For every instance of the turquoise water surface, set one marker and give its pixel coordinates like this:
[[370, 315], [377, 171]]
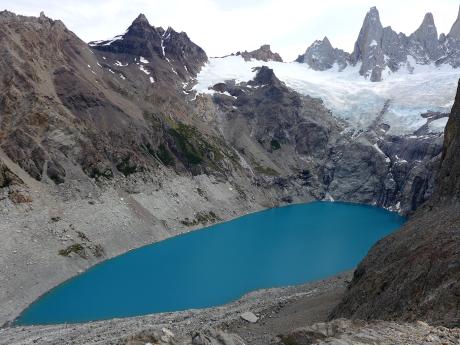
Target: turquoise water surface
[[277, 247]]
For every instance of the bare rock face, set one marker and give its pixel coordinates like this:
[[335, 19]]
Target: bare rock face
[[264, 53], [414, 274], [301, 150], [455, 29], [448, 183], [322, 56]]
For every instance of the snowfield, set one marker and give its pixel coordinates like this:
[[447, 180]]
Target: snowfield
[[350, 96]]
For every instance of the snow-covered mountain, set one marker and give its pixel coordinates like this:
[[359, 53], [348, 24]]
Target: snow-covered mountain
[[380, 51], [398, 101], [417, 76]]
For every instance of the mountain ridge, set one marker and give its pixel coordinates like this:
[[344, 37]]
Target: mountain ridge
[[380, 50]]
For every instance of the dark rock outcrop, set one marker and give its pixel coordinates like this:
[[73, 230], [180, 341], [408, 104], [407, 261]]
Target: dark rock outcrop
[[7, 177], [158, 46]]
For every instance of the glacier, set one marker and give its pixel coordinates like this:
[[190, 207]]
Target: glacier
[[409, 92]]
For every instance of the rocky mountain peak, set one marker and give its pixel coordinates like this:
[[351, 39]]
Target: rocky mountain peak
[[368, 47], [427, 28], [372, 18], [326, 41], [141, 18], [140, 25], [425, 41], [321, 55], [428, 19], [455, 29], [369, 35], [164, 49]]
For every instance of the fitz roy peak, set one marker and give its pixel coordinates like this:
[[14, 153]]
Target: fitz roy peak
[[380, 50]]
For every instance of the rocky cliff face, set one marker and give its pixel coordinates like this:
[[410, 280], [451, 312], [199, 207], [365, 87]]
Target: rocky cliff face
[[448, 182], [380, 50], [415, 273], [299, 149]]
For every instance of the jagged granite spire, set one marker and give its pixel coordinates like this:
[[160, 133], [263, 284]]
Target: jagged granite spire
[[427, 29], [380, 50], [321, 55], [455, 29], [368, 47], [425, 40]]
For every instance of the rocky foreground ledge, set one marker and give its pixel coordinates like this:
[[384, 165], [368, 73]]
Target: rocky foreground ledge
[[337, 332]]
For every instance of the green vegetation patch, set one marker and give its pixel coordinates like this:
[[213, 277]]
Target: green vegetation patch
[[82, 250], [164, 155], [189, 143], [195, 148], [76, 248], [266, 170], [127, 166], [275, 144], [201, 218]]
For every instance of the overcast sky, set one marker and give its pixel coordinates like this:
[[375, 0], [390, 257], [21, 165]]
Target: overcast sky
[[225, 26]]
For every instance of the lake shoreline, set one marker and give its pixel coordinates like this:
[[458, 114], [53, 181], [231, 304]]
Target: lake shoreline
[[286, 307], [295, 237]]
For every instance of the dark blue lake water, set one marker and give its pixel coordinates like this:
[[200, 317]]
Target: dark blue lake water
[[278, 247]]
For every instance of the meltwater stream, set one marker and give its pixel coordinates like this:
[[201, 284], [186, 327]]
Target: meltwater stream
[[277, 247]]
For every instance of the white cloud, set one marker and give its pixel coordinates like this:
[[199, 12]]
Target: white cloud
[[222, 27]]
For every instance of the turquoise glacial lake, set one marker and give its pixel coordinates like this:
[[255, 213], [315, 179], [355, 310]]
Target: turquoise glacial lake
[[218, 264]]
